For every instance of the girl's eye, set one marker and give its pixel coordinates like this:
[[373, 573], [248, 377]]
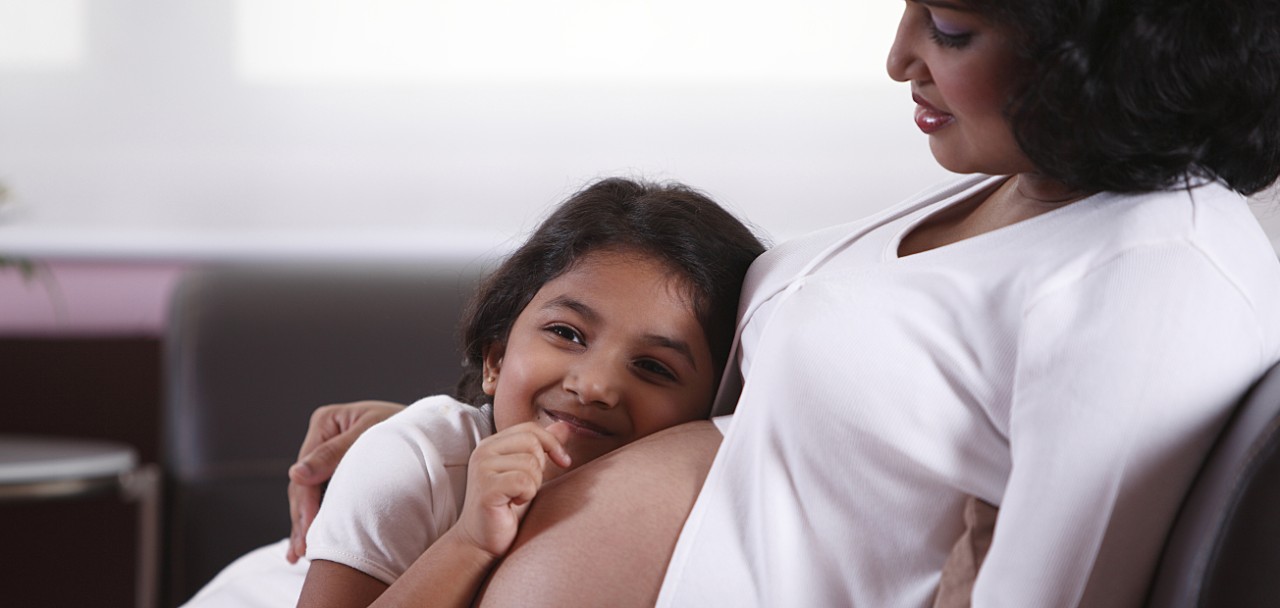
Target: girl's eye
[[947, 34], [653, 367], [566, 333]]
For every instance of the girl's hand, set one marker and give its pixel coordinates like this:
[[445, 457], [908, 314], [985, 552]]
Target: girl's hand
[[505, 472]]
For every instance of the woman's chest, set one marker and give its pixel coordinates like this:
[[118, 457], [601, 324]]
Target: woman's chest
[[909, 362]]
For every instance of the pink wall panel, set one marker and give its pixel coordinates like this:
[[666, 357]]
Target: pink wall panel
[[87, 299]]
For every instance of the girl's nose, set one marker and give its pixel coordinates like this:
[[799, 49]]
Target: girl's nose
[[902, 61], [595, 383]]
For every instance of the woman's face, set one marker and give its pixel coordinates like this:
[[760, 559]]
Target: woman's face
[[962, 70], [612, 348]]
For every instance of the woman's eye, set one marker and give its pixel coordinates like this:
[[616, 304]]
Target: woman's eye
[[653, 367], [567, 333], [946, 34]]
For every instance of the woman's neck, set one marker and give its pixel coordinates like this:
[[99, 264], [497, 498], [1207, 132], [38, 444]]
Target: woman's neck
[[1016, 199], [1037, 189]]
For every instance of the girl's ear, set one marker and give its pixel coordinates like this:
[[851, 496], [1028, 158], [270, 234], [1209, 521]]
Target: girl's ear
[[492, 365]]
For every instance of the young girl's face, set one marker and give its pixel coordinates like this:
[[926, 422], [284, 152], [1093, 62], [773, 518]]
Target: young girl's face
[[962, 70], [612, 347]]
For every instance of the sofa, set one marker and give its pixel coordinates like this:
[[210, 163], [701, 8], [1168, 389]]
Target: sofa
[[250, 352]]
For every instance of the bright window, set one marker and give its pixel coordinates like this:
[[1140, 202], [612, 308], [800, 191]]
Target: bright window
[[646, 41], [41, 34]]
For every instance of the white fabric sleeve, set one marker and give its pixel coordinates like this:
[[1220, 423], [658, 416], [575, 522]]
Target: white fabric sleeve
[[397, 490], [1123, 378]]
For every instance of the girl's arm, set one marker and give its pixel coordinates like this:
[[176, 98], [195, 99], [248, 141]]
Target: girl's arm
[[505, 473], [330, 584], [392, 497], [450, 573]]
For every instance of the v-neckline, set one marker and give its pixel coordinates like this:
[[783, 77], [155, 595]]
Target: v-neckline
[[990, 186]]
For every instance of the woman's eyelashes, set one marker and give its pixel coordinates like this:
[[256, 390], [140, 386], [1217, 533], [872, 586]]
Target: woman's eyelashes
[[947, 34]]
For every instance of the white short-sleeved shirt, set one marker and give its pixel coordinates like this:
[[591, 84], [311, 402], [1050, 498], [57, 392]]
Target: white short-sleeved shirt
[[1071, 369], [399, 488]]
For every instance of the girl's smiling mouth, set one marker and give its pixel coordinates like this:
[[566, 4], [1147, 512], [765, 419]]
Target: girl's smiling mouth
[[579, 426]]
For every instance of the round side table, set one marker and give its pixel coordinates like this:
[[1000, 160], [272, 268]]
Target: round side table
[[55, 468]]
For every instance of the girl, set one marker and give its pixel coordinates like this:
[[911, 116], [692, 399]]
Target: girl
[[611, 323]]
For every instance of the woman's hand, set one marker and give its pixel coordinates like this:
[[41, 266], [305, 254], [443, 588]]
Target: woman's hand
[[505, 472], [332, 430]]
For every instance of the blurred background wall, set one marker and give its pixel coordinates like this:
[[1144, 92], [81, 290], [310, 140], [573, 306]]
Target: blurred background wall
[[159, 131], [263, 120]]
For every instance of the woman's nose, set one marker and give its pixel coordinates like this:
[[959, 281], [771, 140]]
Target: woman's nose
[[902, 60], [595, 382]]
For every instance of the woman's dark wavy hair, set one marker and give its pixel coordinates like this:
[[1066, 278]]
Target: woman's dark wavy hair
[[1139, 95], [705, 246]]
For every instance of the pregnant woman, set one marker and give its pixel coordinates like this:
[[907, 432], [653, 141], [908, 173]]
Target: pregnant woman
[[1059, 334]]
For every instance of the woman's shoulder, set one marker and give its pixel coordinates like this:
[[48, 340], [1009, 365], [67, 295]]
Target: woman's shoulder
[[1200, 243], [1209, 219]]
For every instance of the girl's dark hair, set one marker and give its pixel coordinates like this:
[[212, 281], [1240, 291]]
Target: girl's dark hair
[[705, 245], [1138, 95]]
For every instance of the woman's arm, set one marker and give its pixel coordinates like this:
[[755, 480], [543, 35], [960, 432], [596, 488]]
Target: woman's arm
[[332, 430], [602, 534], [1123, 379]]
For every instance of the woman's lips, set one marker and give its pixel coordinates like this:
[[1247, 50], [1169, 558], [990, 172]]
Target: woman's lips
[[578, 425], [928, 118]]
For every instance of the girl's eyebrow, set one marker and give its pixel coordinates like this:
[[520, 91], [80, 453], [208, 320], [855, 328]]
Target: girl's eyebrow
[[573, 304], [943, 4], [679, 346]]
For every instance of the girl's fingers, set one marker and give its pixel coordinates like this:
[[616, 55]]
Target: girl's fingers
[[511, 487], [528, 464], [559, 432], [506, 471], [530, 437]]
